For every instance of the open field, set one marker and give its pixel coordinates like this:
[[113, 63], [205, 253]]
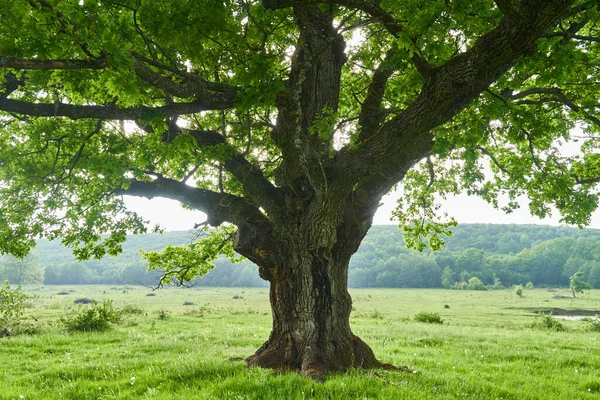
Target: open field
[[168, 350]]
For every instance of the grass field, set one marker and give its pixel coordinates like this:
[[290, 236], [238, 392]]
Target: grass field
[[485, 349]]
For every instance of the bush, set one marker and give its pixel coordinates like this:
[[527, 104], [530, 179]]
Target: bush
[[163, 314], [97, 318], [529, 286], [592, 325], [131, 309], [476, 284], [428, 317], [519, 290], [12, 304], [548, 323]]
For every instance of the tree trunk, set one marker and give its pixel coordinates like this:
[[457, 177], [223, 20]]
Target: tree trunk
[[311, 321], [309, 299]]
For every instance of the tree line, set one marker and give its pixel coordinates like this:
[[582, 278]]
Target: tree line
[[497, 255]]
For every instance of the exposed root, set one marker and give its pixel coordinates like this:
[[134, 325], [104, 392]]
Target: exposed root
[[283, 356]]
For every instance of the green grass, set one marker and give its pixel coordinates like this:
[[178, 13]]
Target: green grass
[[485, 349]]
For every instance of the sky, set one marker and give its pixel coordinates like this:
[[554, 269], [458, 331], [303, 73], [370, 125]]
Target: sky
[[465, 209]]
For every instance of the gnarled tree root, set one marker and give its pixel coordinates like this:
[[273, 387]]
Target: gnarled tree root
[[284, 356]]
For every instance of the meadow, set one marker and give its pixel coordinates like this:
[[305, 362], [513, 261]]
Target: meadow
[[190, 344]]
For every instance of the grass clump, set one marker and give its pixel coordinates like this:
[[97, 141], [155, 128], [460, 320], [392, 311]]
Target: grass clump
[[99, 317], [548, 323], [428, 317], [12, 305], [132, 310], [592, 325]]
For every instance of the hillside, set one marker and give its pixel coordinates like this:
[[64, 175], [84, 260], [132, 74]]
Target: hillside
[[507, 254]]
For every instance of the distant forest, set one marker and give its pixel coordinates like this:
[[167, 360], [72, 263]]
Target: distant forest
[[498, 255]]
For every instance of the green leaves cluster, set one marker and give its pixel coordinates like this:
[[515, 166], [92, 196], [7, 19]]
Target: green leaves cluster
[[98, 317], [187, 262], [12, 304]]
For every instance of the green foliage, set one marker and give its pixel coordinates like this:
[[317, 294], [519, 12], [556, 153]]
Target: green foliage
[[519, 290], [184, 263], [549, 323], [97, 317], [428, 317], [593, 325], [577, 284], [529, 285], [447, 277], [12, 305], [476, 284]]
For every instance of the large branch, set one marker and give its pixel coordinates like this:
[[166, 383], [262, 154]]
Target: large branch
[[255, 233], [193, 86], [36, 64], [371, 114], [219, 207], [73, 111], [257, 189], [381, 161]]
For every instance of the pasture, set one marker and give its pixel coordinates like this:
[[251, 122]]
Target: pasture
[[163, 349]]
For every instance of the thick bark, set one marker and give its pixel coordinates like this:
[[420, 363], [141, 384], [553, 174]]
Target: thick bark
[[311, 331], [309, 298]]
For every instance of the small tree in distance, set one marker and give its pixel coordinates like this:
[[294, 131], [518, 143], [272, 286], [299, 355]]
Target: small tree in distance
[[577, 284], [286, 122]]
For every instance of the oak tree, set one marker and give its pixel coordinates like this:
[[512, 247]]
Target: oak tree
[[286, 121]]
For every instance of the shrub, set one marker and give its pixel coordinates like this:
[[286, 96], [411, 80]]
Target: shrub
[[476, 284], [428, 317], [12, 304], [548, 323], [97, 318], [163, 314], [593, 325], [131, 309], [519, 290], [529, 286]]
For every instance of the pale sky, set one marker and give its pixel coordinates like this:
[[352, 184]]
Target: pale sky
[[465, 209]]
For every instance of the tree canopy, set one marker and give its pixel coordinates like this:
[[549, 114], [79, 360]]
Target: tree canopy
[[209, 86], [289, 120]]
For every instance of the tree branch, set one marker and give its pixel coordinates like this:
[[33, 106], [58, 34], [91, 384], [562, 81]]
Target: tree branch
[[108, 111], [257, 189], [35, 64], [369, 7], [371, 114], [193, 86], [380, 163], [219, 207], [557, 95]]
